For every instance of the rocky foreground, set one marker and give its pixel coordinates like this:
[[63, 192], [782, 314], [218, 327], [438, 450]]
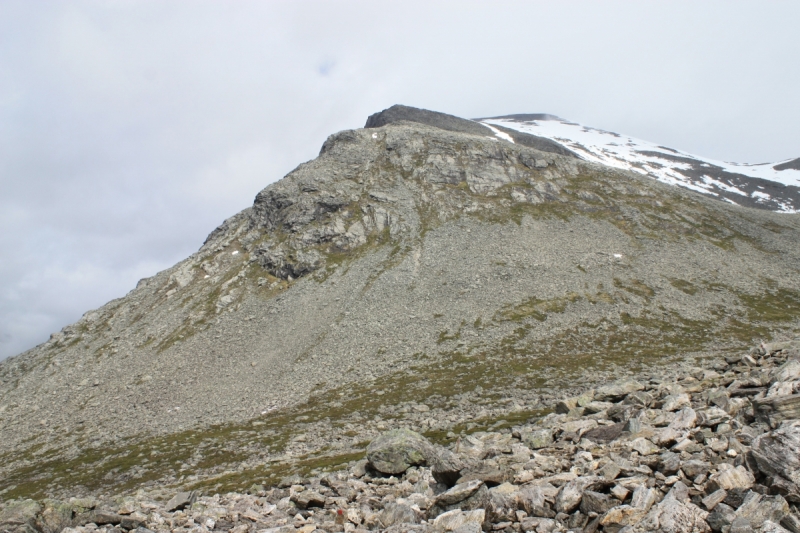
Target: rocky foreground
[[712, 449]]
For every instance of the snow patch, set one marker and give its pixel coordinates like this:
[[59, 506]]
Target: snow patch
[[667, 165]]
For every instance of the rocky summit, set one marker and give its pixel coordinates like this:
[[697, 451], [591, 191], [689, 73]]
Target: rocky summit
[[427, 286]]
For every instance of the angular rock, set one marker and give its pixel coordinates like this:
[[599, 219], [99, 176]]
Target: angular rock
[[757, 509], [669, 463], [596, 502], [452, 520], [675, 514], [538, 439], [445, 466], [728, 478], [639, 399], [789, 371], [308, 499], [714, 499], [398, 450], [181, 500], [777, 409], [617, 391], [536, 500], [675, 402], [694, 468], [722, 517], [777, 453], [569, 497], [643, 498], [566, 405], [603, 434], [686, 419], [644, 446], [395, 513], [459, 493], [20, 516]]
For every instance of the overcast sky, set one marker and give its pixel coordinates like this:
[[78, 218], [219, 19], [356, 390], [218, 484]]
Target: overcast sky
[[130, 129]]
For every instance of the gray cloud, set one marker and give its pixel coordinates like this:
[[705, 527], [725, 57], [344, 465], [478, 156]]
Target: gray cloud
[[129, 130]]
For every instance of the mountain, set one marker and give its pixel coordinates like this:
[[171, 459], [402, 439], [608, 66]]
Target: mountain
[[774, 186], [425, 262]]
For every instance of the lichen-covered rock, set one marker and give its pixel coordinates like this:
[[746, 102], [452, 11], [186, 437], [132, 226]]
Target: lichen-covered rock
[[396, 451], [20, 516]]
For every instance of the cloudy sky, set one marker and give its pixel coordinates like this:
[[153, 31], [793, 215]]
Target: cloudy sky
[[130, 129]]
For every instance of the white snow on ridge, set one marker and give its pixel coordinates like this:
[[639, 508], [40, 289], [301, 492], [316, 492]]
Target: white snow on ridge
[[659, 162], [500, 134]]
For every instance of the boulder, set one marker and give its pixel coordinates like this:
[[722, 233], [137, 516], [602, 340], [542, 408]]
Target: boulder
[[596, 502], [19, 516], [777, 453], [617, 391], [776, 409], [685, 419], [721, 518], [603, 434], [569, 497], [445, 466], [56, 516], [398, 450], [537, 500], [452, 520], [728, 477], [675, 514], [537, 439], [639, 399], [789, 371], [396, 513], [459, 493], [181, 500], [757, 509], [307, 499], [674, 402]]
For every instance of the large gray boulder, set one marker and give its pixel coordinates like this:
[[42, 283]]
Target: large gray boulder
[[398, 450], [675, 514], [20, 516], [777, 455]]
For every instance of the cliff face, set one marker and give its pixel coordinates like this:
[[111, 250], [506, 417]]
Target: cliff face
[[406, 261]]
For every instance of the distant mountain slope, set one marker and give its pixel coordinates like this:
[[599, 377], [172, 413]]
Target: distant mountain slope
[[773, 186], [410, 263]]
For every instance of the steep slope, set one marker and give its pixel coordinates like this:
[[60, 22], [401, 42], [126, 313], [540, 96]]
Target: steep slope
[[774, 186], [407, 263]]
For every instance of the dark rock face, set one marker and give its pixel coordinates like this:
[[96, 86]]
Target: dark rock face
[[794, 164], [443, 121]]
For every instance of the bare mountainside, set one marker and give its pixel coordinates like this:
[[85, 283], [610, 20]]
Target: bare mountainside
[[413, 264]]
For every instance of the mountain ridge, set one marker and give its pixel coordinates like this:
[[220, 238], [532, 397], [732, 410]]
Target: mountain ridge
[[404, 254]]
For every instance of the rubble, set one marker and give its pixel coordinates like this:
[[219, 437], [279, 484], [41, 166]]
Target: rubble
[[694, 461]]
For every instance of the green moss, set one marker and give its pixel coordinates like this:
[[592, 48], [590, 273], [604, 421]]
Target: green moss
[[536, 308], [684, 286]]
